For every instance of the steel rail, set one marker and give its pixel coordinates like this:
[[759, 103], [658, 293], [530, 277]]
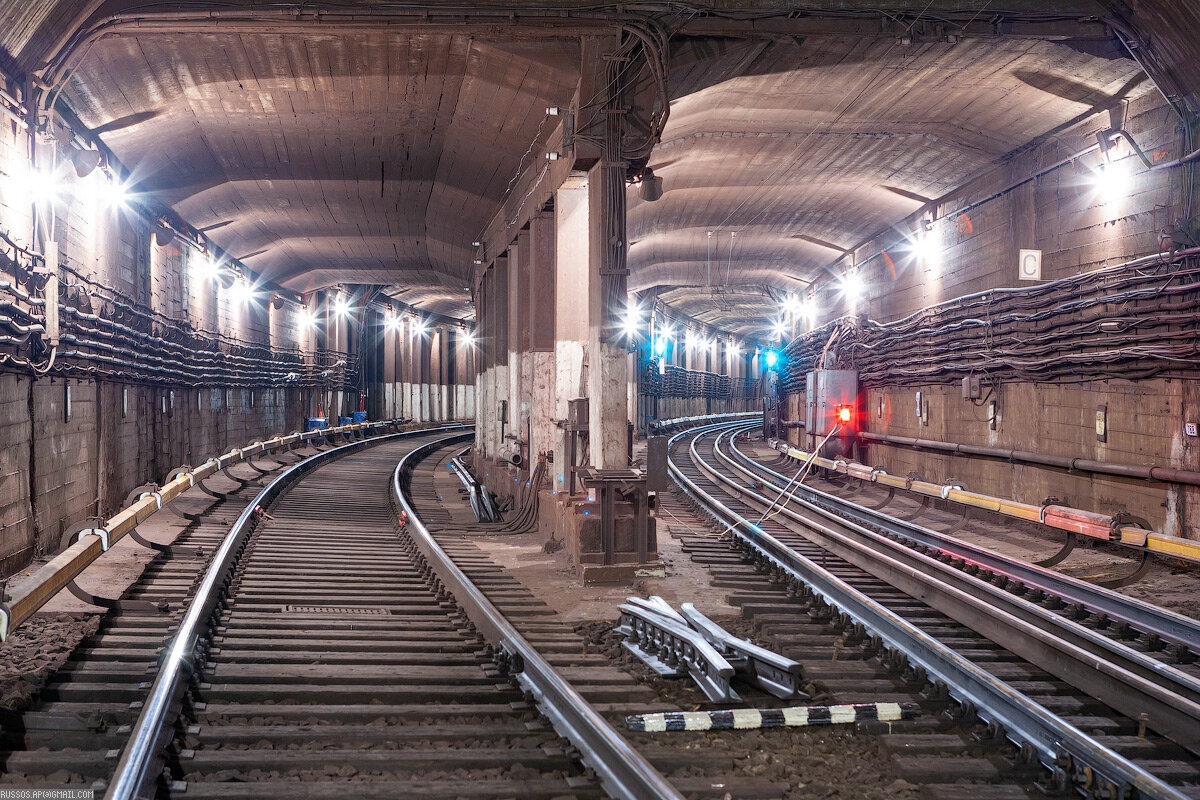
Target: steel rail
[[140, 765], [623, 771], [1161, 622], [1068, 752], [1124, 678]]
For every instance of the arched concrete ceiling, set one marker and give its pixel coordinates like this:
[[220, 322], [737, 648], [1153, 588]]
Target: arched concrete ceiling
[[332, 158], [807, 146], [376, 156]]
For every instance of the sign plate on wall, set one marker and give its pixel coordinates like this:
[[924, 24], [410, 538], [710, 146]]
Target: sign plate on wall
[[1029, 265]]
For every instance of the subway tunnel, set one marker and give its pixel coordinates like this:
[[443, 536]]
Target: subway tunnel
[[544, 307]]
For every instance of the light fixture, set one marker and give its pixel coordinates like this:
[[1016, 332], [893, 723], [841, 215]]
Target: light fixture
[[419, 328], [164, 234], [467, 338], [306, 318], [1112, 181], [925, 248], [633, 318], [779, 328], [242, 292], [84, 161], [207, 267], [341, 306], [391, 322], [650, 188], [36, 185], [734, 347], [771, 358], [791, 304], [114, 193], [852, 286]]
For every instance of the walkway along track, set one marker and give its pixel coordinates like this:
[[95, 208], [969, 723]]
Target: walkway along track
[[845, 573]]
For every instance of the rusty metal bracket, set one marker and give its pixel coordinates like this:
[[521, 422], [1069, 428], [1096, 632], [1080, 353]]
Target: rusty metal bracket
[[1068, 546]]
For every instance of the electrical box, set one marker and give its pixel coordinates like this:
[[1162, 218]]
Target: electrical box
[[831, 399], [972, 387], [577, 413]]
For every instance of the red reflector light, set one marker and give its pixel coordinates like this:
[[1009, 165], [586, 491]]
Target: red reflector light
[[843, 413]]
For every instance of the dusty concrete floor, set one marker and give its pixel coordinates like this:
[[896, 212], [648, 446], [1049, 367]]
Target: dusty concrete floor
[[551, 577]]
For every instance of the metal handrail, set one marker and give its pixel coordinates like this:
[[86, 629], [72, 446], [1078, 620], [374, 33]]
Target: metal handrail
[[31, 593], [623, 771], [1056, 742], [139, 766]]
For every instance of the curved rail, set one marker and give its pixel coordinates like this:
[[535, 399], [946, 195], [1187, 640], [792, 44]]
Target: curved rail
[[1071, 754], [1165, 624], [35, 591], [140, 766], [1124, 678], [624, 772]]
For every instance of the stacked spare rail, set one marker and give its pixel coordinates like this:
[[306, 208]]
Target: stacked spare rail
[[837, 563]]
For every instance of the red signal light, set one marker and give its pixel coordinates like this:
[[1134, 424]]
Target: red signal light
[[843, 414]]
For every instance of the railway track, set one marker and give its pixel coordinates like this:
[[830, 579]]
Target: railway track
[[328, 662], [1038, 668]]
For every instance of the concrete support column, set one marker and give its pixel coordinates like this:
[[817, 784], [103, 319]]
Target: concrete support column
[[388, 378], [542, 262], [518, 337], [434, 384], [498, 387], [424, 348], [607, 379], [571, 306]]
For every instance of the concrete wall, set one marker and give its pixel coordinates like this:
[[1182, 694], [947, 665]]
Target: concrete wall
[[1061, 214], [58, 469]]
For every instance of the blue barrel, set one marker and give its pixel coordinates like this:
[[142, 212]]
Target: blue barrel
[[343, 420], [359, 416], [316, 424]]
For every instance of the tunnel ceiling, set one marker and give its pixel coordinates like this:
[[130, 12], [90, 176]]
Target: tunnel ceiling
[[376, 156]]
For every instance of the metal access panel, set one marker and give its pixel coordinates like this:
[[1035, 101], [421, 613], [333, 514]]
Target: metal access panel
[[825, 390], [656, 464]]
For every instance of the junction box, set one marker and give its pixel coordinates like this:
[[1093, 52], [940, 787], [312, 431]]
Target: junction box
[[831, 399]]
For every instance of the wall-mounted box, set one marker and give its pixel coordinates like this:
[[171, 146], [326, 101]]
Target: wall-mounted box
[[827, 390]]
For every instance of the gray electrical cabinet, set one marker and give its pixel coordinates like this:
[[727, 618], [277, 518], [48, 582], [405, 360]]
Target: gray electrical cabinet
[[827, 390]]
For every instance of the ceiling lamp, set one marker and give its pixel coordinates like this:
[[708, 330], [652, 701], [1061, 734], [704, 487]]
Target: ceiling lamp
[[650, 188], [84, 161]]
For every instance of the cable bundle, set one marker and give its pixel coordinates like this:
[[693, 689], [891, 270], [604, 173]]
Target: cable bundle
[[1133, 321]]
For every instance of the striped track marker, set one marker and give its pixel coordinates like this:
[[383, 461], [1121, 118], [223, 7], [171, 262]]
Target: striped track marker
[[744, 719]]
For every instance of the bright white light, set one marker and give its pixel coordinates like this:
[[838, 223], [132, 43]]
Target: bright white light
[[419, 327], [780, 328], [467, 338], [808, 310], [926, 249], [392, 322], [689, 341], [341, 306], [1112, 181], [307, 318], [241, 291], [114, 193], [35, 185], [852, 286], [735, 348], [633, 318], [207, 268], [791, 305]]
